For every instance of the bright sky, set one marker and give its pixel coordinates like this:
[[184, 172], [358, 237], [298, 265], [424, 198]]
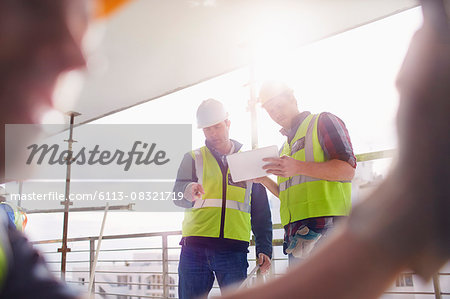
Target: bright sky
[[351, 75]]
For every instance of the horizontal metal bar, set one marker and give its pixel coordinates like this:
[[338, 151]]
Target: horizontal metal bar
[[118, 294], [72, 271], [112, 237], [50, 252], [135, 283], [80, 282], [375, 155], [112, 250], [114, 261], [74, 262], [272, 259], [126, 236], [408, 293], [277, 226], [127, 249], [127, 272], [135, 261], [128, 207]]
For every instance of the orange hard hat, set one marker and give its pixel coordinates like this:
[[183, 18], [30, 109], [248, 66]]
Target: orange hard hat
[[106, 7]]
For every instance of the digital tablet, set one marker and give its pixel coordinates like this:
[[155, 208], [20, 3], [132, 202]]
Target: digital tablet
[[248, 165]]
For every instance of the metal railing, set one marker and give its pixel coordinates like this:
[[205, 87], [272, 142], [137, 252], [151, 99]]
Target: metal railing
[[165, 285], [108, 283]]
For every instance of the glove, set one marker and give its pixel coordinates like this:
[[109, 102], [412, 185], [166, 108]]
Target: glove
[[303, 242]]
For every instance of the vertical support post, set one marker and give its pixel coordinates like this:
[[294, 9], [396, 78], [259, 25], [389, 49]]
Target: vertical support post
[[252, 101], [165, 266], [437, 286], [19, 204], [66, 203], [139, 287], [91, 261], [97, 252]]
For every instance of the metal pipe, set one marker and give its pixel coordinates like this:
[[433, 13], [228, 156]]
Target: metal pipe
[[64, 249], [252, 101], [97, 252], [437, 286], [165, 257], [128, 207], [91, 262]]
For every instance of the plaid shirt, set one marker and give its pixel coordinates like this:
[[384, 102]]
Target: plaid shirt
[[333, 136], [335, 141]]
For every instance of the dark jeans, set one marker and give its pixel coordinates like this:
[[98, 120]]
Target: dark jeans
[[198, 266]]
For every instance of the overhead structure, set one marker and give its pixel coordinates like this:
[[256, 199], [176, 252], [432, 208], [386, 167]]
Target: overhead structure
[[152, 48]]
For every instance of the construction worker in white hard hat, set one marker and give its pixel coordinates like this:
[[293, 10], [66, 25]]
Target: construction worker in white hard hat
[[314, 171], [219, 213]]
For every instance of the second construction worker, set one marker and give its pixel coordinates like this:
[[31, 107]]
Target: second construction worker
[[219, 213], [314, 171]]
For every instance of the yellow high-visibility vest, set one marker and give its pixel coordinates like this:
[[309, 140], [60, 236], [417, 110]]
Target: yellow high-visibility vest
[[204, 218], [3, 266], [304, 197], [4, 248]]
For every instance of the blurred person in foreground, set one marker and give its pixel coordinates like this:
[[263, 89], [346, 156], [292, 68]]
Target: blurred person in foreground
[[40, 40], [405, 223]]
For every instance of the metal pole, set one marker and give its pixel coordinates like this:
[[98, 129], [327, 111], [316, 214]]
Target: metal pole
[[91, 262], [252, 101], [128, 207], [97, 252], [19, 204], [245, 283], [165, 260], [437, 286], [64, 249]]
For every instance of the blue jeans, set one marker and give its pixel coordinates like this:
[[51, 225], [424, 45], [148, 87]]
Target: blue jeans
[[198, 266]]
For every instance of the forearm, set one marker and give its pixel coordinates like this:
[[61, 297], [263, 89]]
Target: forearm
[[271, 185], [185, 176], [332, 170], [180, 186], [266, 249], [263, 238], [261, 220]]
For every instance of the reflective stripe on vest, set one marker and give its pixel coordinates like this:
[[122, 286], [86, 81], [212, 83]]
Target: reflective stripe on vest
[[305, 197], [203, 219], [217, 202]]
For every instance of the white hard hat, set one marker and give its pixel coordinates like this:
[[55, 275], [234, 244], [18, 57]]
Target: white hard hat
[[210, 112], [271, 89]]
